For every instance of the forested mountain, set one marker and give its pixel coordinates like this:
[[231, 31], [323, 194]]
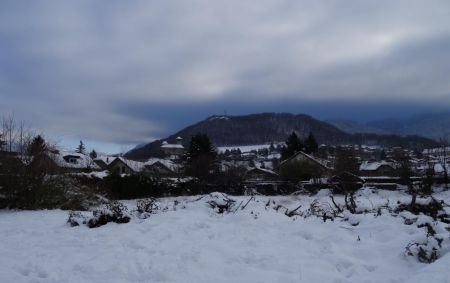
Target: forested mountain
[[272, 127]]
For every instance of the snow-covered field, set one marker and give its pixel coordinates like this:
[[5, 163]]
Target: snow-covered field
[[189, 242]]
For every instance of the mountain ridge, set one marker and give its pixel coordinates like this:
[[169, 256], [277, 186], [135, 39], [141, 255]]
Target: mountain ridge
[[263, 128], [434, 126]]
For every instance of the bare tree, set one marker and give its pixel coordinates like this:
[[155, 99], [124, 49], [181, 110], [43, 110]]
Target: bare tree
[[346, 167], [9, 131]]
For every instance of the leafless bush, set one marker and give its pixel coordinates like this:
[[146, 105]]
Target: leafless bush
[[146, 207], [323, 210], [221, 203]]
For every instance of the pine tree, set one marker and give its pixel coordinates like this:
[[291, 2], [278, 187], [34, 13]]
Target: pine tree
[[293, 145], [200, 145], [311, 145], [201, 156], [81, 148], [93, 154], [37, 146]]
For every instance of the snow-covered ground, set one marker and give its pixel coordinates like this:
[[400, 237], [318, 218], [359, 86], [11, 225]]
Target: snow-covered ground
[[189, 242]]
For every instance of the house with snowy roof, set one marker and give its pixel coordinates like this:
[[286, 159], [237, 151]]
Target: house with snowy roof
[[60, 161], [173, 149], [378, 169], [122, 165], [162, 167], [309, 160], [258, 175], [103, 161]]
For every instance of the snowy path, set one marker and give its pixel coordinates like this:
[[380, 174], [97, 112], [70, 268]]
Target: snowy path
[[195, 245]]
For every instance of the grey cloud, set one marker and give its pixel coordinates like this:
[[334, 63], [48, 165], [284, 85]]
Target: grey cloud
[[68, 65]]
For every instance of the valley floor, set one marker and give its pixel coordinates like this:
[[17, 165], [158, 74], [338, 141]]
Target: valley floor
[[191, 243]]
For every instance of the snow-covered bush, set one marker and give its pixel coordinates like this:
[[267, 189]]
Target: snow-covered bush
[[435, 243], [76, 219], [112, 212], [220, 202], [146, 207], [427, 251], [428, 206]]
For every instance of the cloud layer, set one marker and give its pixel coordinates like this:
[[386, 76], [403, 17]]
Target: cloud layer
[[69, 66]]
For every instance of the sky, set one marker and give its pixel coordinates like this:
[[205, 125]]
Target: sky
[[120, 73]]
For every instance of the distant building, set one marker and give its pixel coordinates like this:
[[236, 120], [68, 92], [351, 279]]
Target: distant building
[[176, 150], [162, 168], [258, 175], [103, 161], [320, 164], [378, 169], [122, 165], [66, 162]]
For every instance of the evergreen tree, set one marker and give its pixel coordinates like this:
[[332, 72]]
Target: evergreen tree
[[383, 155], [201, 156], [311, 145], [93, 154], [37, 146], [293, 145], [81, 148]]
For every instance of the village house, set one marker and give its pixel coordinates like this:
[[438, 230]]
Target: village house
[[122, 165], [319, 164], [175, 150], [259, 175], [155, 167], [104, 161], [162, 168], [378, 169], [66, 162]]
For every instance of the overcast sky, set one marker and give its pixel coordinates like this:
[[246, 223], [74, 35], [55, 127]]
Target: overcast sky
[[117, 73]]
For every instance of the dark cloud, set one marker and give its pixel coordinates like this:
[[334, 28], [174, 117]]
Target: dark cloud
[[86, 69]]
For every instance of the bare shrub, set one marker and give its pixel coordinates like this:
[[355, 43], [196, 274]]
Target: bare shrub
[[146, 207], [221, 203]]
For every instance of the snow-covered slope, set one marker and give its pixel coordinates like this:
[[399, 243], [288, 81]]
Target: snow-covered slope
[[189, 242]]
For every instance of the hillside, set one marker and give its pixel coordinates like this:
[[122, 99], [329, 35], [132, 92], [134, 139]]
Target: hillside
[[271, 127], [433, 126]]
